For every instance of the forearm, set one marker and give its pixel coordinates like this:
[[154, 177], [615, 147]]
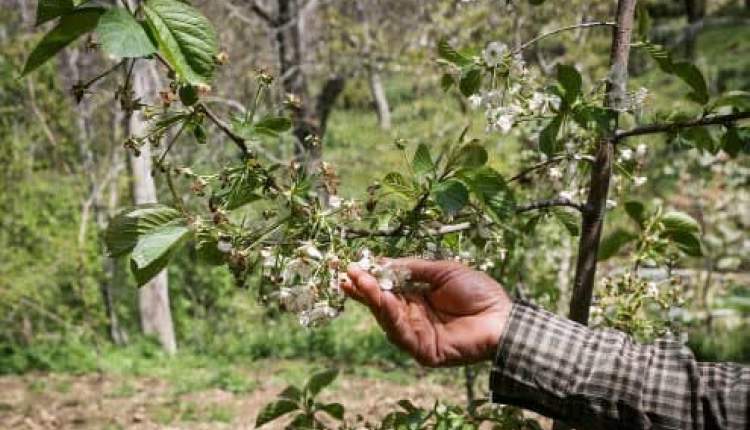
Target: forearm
[[602, 379]]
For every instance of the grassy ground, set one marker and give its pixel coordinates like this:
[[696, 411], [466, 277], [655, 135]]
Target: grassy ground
[[177, 395]]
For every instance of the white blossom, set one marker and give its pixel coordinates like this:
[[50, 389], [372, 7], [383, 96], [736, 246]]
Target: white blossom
[[611, 204], [335, 202], [494, 52], [224, 245], [626, 154], [566, 195], [639, 180], [310, 251], [475, 101], [652, 290], [297, 299], [365, 261], [320, 313], [555, 173], [641, 150]]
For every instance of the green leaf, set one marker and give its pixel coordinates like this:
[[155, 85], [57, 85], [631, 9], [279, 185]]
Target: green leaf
[[292, 393], [684, 231], [71, 27], [643, 20], [548, 136], [491, 189], [613, 242], [636, 211], [396, 183], [448, 53], [470, 82], [692, 75], [451, 196], [154, 250], [199, 132], [301, 422], [122, 36], [422, 162], [736, 140], [185, 38], [207, 250], [319, 381], [571, 82], [472, 155], [125, 229], [273, 125], [569, 220], [697, 137], [336, 410], [447, 81], [739, 100], [47, 10], [275, 410]]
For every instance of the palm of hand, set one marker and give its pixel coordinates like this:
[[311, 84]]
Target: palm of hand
[[458, 321]]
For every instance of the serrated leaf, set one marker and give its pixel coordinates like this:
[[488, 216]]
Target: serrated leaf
[[126, 228], [680, 221], [739, 100], [301, 422], [273, 125], [451, 196], [47, 10], [154, 250], [185, 38], [548, 136], [319, 381], [71, 27], [472, 155], [448, 53], [397, 184], [422, 162], [207, 249], [122, 36], [614, 242], [569, 220], [643, 20], [470, 82], [571, 82], [692, 75], [275, 410], [336, 410], [491, 189], [636, 211]]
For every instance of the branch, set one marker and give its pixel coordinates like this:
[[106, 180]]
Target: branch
[[726, 120], [237, 139], [544, 204], [562, 29]]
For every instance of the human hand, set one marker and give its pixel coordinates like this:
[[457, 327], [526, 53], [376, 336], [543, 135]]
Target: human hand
[[458, 320]]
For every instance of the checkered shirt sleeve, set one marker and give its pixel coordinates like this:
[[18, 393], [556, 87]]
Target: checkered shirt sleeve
[[602, 379]]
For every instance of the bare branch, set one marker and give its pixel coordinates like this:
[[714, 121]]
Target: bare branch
[[545, 204], [560, 30], [674, 126], [237, 139]]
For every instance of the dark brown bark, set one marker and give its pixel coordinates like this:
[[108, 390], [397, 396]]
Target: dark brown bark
[[601, 173]]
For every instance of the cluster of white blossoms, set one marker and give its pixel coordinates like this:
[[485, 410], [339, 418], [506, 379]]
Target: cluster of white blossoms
[[513, 100], [309, 283], [638, 156], [390, 276]]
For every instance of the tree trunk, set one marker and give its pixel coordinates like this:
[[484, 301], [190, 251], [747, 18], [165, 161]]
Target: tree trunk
[[153, 298], [601, 172], [373, 74]]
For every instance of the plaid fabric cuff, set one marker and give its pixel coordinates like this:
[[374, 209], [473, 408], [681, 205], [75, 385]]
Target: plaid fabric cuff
[[603, 379]]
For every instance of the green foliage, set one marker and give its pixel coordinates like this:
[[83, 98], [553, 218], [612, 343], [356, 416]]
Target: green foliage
[[185, 38], [122, 36], [71, 26]]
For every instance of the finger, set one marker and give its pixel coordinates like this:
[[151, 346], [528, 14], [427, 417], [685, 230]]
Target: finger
[[431, 272], [385, 306], [365, 286]]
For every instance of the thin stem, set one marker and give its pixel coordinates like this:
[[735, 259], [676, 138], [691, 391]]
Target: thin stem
[[237, 139], [177, 199], [250, 114], [545, 204], [171, 144], [726, 120], [563, 29], [103, 74]]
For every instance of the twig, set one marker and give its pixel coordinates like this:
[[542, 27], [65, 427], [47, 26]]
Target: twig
[[539, 166], [562, 29], [237, 139], [673, 126], [171, 144], [544, 204], [102, 75]]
